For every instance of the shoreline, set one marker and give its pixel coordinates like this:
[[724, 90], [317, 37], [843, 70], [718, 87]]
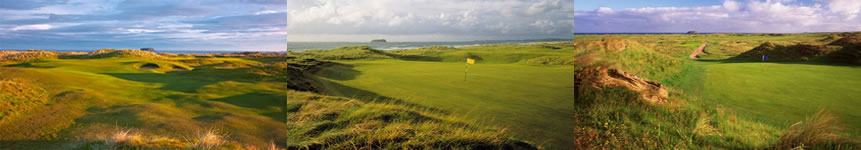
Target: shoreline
[[406, 45], [158, 51]]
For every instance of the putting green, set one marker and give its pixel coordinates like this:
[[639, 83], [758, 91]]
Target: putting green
[[532, 102], [786, 93]]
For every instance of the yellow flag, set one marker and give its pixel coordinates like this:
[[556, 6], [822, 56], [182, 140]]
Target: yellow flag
[[470, 61]]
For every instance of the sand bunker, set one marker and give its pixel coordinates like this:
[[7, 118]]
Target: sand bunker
[[149, 66], [600, 77], [177, 68], [698, 52]]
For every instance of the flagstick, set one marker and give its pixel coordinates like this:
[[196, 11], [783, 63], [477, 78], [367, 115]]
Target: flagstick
[[464, 71]]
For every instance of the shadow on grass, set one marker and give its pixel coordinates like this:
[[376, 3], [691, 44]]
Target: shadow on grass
[[336, 89], [189, 81], [262, 101], [846, 56], [409, 57], [33, 144], [338, 71], [29, 64]]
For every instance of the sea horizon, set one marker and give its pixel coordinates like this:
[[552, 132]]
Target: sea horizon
[[157, 51], [301, 46]]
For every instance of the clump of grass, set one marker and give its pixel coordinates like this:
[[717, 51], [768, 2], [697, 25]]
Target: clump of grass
[[206, 139], [134, 139], [822, 131], [704, 127], [210, 139]]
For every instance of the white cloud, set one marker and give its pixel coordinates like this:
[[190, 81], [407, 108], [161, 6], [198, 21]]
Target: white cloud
[[265, 12], [543, 6], [489, 19], [604, 10], [731, 5], [849, 9], [731, 16], [33, 27]]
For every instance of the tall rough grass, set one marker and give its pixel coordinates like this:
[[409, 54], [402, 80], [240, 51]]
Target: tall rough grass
[[822, 131], [206, 139], [18, 97], [617, 118], [324, 122]]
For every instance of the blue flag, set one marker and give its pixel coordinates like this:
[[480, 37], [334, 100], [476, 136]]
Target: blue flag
[[764, 57]]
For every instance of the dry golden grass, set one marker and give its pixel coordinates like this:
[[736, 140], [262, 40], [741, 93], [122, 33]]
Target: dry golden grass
[[210, 139], [823, 130]]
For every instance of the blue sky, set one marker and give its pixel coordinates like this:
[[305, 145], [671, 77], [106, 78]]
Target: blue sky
[[751, 16], [429, 20], [161, 24]]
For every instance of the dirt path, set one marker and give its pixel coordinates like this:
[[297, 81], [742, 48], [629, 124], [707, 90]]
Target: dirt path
[[698, 51]]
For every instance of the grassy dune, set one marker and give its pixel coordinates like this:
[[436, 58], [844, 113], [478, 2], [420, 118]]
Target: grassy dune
[[510, 86], [91, 100], [329, 122], [720, 102]]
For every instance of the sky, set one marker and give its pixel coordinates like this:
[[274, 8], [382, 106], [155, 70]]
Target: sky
[[428, 20], [738, 16], [248, 25]]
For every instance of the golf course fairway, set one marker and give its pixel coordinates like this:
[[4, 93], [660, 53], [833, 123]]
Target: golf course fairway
[[785, 93], [76, 101], [532, 102]]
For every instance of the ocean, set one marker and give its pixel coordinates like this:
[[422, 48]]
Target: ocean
[[300, 46], [157, 51]]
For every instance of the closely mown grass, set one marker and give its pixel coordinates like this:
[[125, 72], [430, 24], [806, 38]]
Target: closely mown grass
[[325, 122], [494, 94]]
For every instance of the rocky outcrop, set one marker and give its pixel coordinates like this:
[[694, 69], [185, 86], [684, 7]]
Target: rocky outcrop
[[602, 77]]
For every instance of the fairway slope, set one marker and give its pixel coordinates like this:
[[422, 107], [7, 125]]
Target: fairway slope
[[516, 87], [326, 122], [725, 100], [75, 102]]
